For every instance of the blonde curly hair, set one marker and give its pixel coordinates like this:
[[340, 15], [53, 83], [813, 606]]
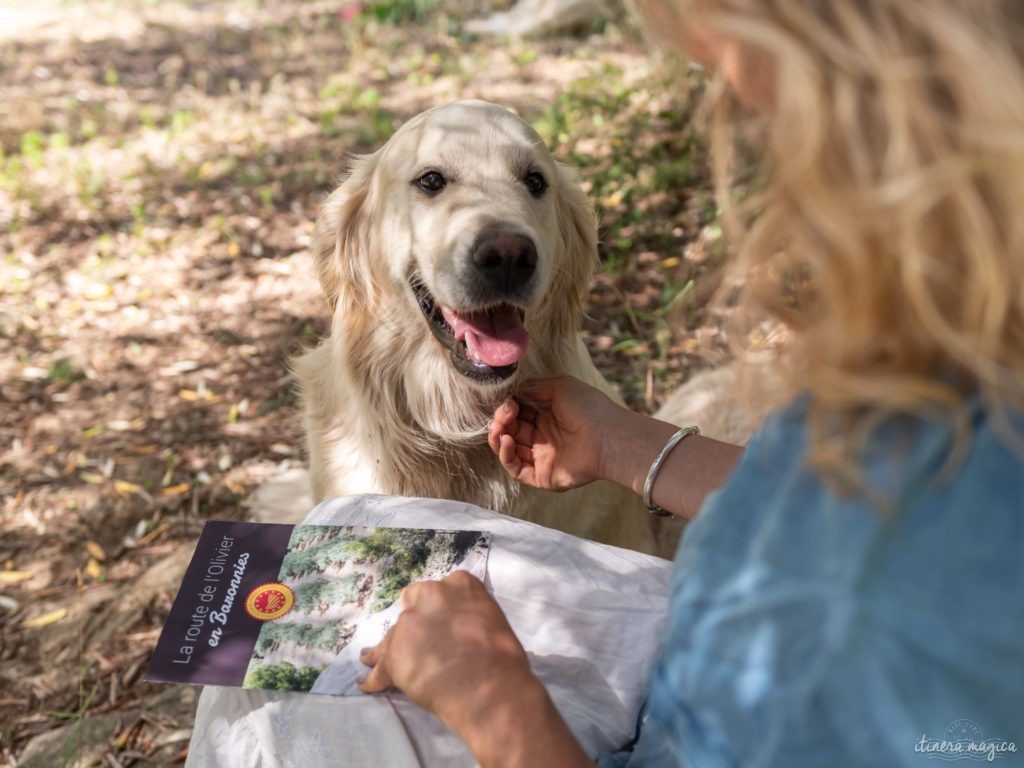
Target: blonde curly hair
[[887, 229]]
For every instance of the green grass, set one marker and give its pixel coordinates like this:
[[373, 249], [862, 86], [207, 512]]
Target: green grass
[[656, 158]]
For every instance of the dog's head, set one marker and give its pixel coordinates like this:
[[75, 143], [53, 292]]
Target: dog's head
[[464, 237]]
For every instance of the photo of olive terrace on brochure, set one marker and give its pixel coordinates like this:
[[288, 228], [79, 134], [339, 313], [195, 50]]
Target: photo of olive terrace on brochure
[[289, 607]]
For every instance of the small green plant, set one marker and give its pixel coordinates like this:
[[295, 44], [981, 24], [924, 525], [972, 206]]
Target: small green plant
[[650, 161], [147, 118], [400, 11], [33, 143], [139, 215], [375, 129], [180, 120], [91, 184], [63, 372], [59, 141], [72, 744]]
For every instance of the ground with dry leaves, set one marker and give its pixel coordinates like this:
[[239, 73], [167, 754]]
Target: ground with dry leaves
[[160, 172]]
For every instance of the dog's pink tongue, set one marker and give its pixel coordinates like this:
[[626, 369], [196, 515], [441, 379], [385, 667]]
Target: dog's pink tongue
[[495, 337]]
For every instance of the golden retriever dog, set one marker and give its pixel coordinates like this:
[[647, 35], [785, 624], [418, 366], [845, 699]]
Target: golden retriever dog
[[455, 260]]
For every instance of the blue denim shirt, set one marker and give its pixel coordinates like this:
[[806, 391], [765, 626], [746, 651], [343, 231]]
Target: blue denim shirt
[[809, 629]]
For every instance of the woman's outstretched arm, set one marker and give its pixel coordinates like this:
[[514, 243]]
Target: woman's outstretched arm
[[563, 433]]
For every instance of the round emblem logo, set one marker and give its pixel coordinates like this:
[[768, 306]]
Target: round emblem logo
[[963, 730], [269, 601]]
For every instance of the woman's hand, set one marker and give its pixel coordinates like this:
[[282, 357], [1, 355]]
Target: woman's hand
[[563, 434], [450, 640], [453, 652], [552, 437]]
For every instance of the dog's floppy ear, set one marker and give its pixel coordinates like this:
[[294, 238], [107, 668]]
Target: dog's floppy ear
[[577, 232], [341, 242]]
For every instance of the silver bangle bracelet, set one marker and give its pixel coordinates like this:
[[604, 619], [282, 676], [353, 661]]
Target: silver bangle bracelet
[[673, 441]]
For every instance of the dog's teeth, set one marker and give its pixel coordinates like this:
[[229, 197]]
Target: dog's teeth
[[470, 352]]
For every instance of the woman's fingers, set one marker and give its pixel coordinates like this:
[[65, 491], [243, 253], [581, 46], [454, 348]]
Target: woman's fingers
[[507, 415], [505, 422], [524, 453], [528, 414], [508, 455], [524, 436], [370, 656], [511, 425], [517, 460], [494, 433], [378, 680], [410, 595]]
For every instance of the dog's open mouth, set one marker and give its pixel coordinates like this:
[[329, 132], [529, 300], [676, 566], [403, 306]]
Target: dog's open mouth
[[485, 345]]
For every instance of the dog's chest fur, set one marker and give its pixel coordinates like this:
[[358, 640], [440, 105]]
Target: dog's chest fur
[[363, 437], [373, 463], [467, 473], [369, 442]]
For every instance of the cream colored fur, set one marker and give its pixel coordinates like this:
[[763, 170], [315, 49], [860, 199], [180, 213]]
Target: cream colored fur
[[385, 411], [727, 403]]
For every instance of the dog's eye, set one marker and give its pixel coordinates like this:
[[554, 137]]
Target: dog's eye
[[535, 183], [431, 182]]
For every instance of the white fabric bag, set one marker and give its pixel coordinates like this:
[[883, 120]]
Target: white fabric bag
[[590, 616]]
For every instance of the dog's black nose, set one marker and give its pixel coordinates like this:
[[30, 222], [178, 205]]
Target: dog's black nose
[[505, 260]]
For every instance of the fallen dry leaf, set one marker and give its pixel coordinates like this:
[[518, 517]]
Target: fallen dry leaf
[[94, 569], [46, 619], [193, 396], [175, 490], [125, 488], [95, 550], [156, 532], [14, 577]]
